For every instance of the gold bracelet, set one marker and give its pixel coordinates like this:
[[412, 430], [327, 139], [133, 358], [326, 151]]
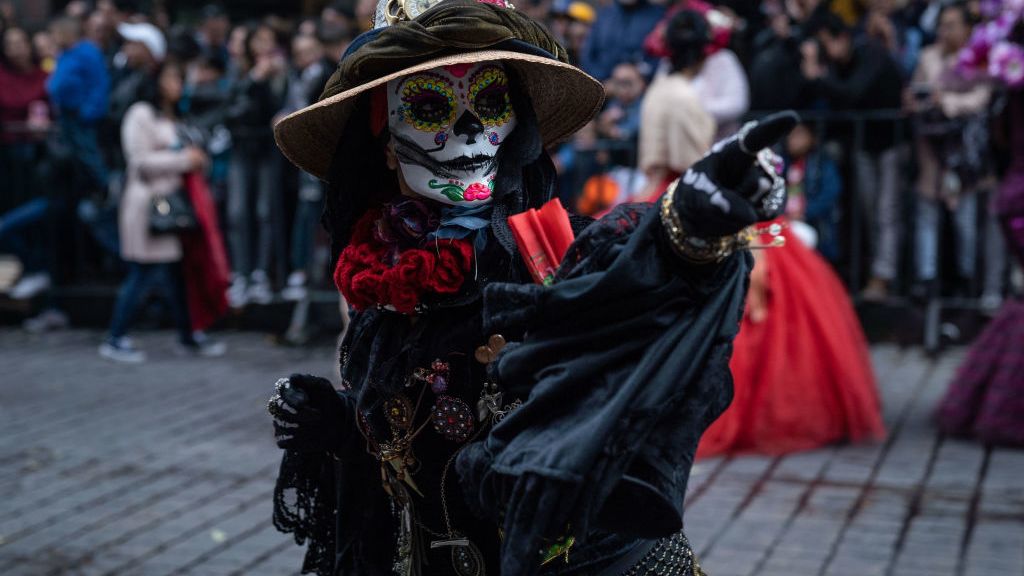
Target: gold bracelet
[[692, 248]]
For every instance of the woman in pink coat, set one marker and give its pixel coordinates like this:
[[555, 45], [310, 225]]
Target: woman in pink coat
[[156, 164]]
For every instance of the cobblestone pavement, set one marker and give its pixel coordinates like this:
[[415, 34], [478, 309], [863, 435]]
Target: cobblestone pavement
[[167, 469]]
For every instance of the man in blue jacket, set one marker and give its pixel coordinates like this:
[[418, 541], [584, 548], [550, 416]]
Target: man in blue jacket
[[79, 90]]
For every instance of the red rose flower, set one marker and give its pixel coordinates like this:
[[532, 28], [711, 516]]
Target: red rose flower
[[371, 272], [365, 289], [453, 260], [414, 266], [404, 297]]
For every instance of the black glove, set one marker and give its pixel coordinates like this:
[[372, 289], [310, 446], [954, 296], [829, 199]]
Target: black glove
[[733, 186], [310, 415]]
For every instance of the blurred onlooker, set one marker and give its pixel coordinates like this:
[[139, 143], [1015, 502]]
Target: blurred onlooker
[[255, 226], [339, 14], [79, 89], [212, 32], [308, 78], [675, 130], [98, 29], [142, 50], [775, 79], [24, 119], [237, 52], [335, 40], [570, 23], [611, 177], [722, 88], [618, 36], [24, 112], [814, 187], [620, 119], [204, 105], [863, 76], [156, 163], [45, 49], [721, 83], [951, 149]]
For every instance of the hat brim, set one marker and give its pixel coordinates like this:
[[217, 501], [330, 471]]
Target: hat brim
[[564, 99]]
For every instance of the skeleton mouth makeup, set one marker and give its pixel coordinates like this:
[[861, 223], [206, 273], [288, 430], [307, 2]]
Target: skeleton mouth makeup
[[447, 125]]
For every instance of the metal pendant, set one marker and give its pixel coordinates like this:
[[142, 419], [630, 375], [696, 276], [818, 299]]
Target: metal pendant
[[398, 412], [466, 557]]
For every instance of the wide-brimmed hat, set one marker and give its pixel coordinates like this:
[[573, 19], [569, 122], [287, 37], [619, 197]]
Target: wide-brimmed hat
[[452, 32]]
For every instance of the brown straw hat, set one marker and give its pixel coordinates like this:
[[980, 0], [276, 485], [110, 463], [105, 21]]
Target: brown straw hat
[[564, 98]]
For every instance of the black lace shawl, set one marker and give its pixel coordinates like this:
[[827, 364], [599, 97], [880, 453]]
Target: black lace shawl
[[624, 365]]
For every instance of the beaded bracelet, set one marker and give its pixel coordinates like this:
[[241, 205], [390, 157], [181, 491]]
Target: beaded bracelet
[[692, 248]]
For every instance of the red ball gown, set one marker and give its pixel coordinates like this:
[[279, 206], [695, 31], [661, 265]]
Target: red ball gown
[[801, 368]]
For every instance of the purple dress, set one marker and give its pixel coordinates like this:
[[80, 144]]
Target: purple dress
[[986, 399]]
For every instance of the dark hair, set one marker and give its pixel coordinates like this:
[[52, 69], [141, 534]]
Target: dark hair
[[332, 34], [33, 55], [127, 6], [149, 91], [686, 35], [254, 29], [211, 11], [962, 7], [69, 23], [828, 21], [182, 44], [344, 8], [211, 59]]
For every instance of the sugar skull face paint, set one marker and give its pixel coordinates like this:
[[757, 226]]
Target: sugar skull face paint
[[448, 125]]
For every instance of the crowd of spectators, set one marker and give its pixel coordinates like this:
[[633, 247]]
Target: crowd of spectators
[[874, 77]]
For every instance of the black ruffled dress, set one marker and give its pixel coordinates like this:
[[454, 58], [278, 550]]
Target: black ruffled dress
[[609, 377]]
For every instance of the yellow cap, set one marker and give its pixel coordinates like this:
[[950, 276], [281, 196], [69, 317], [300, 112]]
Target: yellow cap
[[581, 11]]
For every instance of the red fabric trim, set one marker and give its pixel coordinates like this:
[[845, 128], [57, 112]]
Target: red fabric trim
[[205, 261], [378, 109]]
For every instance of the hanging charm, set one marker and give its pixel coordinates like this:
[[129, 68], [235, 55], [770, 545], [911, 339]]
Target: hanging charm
[[437, 376], [489, 402], [466, 557], [452, 418], [489, 352], [398, 412]]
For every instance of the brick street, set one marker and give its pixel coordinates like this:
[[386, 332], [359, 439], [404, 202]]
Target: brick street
[[167, 469]]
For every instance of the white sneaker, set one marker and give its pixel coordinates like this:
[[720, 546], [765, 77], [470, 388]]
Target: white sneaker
[[296, 289], [121, 350], [47, 320], [205, 349], [990, 302], [237, 296], [30, 285], [259, 291]]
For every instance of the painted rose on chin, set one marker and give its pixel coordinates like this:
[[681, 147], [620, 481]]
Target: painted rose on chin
[[477, 191]]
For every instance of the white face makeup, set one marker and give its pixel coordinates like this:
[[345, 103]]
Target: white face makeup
[[447, 125]]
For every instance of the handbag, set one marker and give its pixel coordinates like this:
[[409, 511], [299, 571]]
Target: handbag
[[172, 214]]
